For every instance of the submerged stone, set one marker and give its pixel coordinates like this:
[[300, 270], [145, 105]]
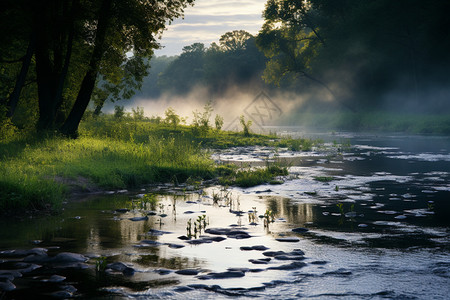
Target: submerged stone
[[222, 275], [175, 246], [259, 247], [182, 289], [274, 253], [300, 230], [288, 240], [55, 278], [339, 272], [163, 271], [289, 257], [7, 286], [190, 272], [291, 266], [246, 248], [117, 266], [68, 257], [136, 219], [261, 261], [128, 271]]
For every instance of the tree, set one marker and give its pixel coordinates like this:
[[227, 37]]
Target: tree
[[234, 40], [78, 42], [186, 72], [290, 38], [358, 50]]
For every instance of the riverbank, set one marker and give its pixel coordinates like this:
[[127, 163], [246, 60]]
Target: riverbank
[[39, 172], [412, 123]]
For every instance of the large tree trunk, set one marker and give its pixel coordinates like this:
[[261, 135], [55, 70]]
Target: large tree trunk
[[71, 32], [15, 95], [47, 80], [53, 53], [70, 126]]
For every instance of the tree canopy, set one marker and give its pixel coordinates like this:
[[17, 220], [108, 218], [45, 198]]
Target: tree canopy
[[358, 50], [55, 52]]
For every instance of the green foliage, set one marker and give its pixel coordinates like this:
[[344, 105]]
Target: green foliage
[[172, 118], [119, 112], [7, 129], [55, 50], [245, 125], [200, 123], [100, 264], [247, 177], [372, 48], [324, 178], [218, 121], [138, 113], [149, 201]]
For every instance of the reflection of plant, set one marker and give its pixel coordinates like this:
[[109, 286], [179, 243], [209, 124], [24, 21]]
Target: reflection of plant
[[100, 264], [149, 200], [216, 198], [269, 217], [199, 224], [430, 205], [189, 228], [252, 216]]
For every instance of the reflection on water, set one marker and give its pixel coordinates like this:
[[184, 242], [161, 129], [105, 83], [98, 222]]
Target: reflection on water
[[378, 228]]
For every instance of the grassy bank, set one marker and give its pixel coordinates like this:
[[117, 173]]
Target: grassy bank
[[375, 122], [39, 172]]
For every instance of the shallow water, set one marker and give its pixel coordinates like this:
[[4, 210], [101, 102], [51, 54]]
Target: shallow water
[[378, 229]]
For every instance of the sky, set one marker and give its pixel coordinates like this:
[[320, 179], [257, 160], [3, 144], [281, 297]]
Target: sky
[[207, 20]]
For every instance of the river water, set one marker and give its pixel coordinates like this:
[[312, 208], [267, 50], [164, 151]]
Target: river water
[[374, 222]]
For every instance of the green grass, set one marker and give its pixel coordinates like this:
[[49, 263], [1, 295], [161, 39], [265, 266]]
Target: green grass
[[39, 172], [30, 173], [248, 177]]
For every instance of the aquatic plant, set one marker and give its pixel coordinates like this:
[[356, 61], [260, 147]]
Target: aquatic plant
[[100, 264], [195, 229], [341, 208], [324, 178], [149, 201]]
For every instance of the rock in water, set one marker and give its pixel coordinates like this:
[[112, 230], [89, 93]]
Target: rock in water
[[135, 219], [7, 286], [68, 257], [300, 230]]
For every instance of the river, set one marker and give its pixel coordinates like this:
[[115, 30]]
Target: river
[[371, 221]]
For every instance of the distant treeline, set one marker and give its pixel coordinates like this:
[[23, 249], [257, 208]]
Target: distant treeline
[[235, 61]]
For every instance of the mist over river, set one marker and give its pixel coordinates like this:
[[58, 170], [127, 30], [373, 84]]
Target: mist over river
[[369, 220]]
